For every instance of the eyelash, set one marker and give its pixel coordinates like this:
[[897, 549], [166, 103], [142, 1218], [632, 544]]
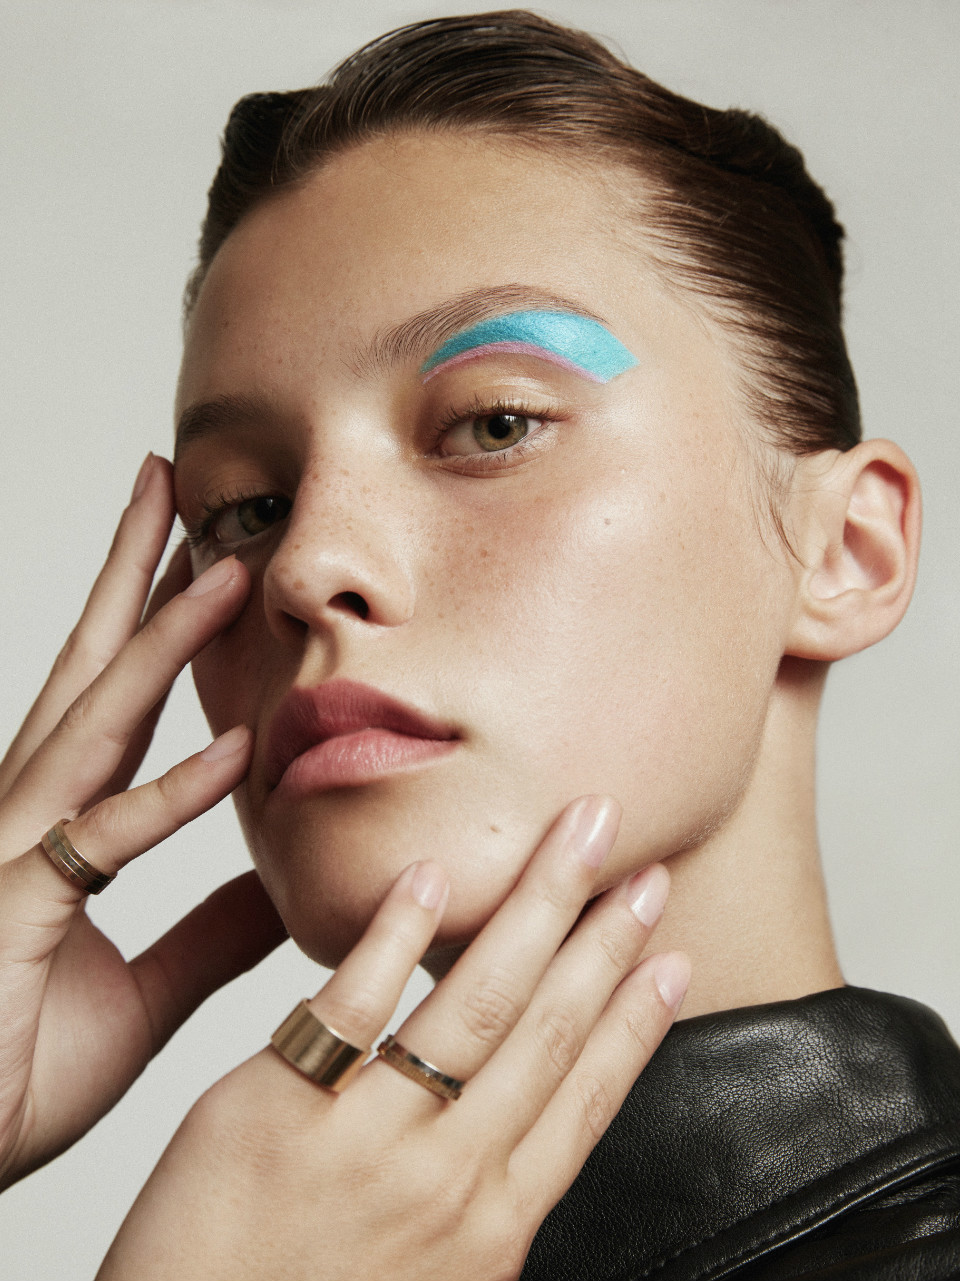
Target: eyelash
[[196, 532], [477, 407]]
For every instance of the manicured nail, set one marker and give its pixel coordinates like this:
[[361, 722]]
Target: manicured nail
[[229, 744], [430, 886], [143, 478], [216, 576], [595, 825], [647, 892], [672, 977]]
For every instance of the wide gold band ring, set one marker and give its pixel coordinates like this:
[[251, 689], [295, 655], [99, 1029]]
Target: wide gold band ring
[[317, 1050], [417, 1069], [66, 858]]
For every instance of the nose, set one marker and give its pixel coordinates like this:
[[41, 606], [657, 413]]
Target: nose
[[343, 559]]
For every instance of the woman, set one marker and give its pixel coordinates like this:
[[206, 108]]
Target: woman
[[579, 509]]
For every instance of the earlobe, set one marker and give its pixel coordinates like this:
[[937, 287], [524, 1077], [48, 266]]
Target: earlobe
[[861, 535]]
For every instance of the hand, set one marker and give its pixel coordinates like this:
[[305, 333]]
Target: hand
[[548, 1021], [78, 1022]]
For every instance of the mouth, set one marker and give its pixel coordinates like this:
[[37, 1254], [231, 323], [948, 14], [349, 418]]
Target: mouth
[[343, 734]]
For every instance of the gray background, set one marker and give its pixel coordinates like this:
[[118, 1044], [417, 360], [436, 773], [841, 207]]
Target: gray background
[[110, 117]]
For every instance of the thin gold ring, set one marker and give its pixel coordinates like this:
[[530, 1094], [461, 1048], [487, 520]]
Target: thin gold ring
[[417, 1069], [66, 858], [316, 1050]]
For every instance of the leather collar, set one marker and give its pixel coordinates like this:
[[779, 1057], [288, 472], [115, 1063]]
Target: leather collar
[[752, 1127]]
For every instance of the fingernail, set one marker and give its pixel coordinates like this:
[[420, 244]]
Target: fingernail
[[647, 892], [429, 885], [595, 826], [216, 576], [672, 977], [228, 744], [143, 478]]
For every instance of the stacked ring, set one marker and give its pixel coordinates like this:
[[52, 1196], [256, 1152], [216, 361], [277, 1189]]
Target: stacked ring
[[66, 858], [417, 1069], [317, 1050]]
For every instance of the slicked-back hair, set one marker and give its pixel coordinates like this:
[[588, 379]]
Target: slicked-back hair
[[727, 205]]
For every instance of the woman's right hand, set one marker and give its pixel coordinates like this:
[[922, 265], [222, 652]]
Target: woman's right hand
[[79, 1023]]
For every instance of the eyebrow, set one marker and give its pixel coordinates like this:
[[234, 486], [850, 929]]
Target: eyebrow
[[412, 339], [574, 342], [420, 335], [221, 414]]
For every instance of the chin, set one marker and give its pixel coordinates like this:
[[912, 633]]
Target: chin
[[329, 862]]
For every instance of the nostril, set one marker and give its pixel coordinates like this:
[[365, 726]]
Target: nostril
[[350, 603]]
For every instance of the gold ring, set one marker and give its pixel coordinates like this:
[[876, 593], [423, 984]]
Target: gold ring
[[66, 858], [317, 1050], [425, 1074]]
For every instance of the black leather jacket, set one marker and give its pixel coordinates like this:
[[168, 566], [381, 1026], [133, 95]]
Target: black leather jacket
[[817, 1138]]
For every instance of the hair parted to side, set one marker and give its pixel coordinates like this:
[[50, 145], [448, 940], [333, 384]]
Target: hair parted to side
[[730, 211]]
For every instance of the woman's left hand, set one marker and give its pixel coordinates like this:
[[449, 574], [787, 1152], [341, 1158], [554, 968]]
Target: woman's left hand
[[548, 1019]]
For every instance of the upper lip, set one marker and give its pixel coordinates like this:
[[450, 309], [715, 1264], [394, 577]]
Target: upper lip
[[307, 717]]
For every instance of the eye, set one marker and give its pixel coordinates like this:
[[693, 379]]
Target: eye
[[240, 521], [486, 433]]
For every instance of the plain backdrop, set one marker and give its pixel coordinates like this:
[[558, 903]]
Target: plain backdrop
[[110, 120]]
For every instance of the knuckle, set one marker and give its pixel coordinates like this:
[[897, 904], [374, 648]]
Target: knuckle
[[491, 1008], [223, 1112], [169, 787], [356, 1017], [616, 948], [102, 827], [596, 1106], [81, 719], [639, 1031], [558, 894], [80, 651], [559, 1037]]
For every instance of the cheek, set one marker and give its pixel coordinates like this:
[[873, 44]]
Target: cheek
[[609, 643], [230, 673]]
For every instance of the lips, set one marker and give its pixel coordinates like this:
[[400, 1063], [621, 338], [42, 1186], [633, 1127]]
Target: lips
[[343, 734]]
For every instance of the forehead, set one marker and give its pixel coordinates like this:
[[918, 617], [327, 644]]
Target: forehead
[[311, 279]]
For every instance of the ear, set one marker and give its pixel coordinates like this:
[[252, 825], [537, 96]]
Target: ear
[[859, 521]]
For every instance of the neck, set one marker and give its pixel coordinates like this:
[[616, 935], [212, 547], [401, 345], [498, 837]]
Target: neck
[[749, 904]]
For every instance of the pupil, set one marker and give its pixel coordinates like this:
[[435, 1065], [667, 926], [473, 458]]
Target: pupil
[[258, 514], [499, 430]]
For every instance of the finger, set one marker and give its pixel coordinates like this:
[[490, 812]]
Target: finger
[[38, 901], [634, 1023], [89, 742], [111, 614], [472, 1010], [176, 578], [523, 1076], [223, 937], [362, 993]]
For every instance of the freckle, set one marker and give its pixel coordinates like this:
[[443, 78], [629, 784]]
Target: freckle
[[494, 828], [299, 585], [484, 552], [607, 520]]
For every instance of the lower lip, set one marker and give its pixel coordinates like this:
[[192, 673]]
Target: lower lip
[[350, 760]]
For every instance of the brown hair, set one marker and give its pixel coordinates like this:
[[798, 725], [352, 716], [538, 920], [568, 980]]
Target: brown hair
[[733, 215]]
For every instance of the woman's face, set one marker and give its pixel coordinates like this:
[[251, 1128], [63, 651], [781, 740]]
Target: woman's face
[[560, 567]]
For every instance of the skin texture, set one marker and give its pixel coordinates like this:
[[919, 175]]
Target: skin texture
[[603, 610]]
